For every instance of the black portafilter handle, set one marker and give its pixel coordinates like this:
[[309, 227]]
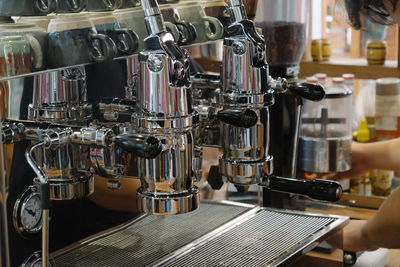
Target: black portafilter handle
[[316, 189], [141, 145], [309, 91], [245, 118]]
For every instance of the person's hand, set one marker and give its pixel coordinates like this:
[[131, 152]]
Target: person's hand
[[359, 163], [355, 238]]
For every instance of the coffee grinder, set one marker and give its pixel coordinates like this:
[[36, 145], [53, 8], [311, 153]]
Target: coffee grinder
[[284, 24], [326, 132]]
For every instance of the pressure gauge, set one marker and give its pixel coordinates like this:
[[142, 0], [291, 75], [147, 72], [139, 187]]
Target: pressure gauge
[[35, 260], [27, 215]]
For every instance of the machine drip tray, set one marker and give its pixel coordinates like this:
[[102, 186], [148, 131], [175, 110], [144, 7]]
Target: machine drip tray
[[217, 234]]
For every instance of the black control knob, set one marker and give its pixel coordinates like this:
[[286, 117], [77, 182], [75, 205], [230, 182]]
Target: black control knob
[[140, 145], [245, 118], [309, 91]]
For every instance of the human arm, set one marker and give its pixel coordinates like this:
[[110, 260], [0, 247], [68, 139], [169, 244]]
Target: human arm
[[367, 156], [381, 230]]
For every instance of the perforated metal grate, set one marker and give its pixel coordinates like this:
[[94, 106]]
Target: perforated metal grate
[[259, 241], [150, 238]]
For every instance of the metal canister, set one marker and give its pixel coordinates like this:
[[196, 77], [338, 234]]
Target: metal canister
[[316, 50], [326, 50], [376, 52]]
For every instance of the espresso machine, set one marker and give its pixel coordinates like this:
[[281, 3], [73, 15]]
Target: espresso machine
[[243, 96], [154, 128]]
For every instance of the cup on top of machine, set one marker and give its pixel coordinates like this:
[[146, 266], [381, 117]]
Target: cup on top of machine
[[72, 40], [125, 39], [71, 6], [129, 3], [35, 37], [15, 55], [133, 18], [162, 2], [27, 7], [184, 32], [103, 5], [207, 28], [38, 21]]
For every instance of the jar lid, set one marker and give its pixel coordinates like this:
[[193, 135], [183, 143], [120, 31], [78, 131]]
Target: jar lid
[[312, 79], [321, 76], [348, 76], [338, 80]]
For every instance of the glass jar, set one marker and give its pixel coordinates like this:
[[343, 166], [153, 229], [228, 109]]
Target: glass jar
[[326, 131]]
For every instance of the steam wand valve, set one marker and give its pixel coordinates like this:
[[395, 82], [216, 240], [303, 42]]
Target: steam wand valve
[[246, 118], [309, 91], [316, 189], [141, 145]]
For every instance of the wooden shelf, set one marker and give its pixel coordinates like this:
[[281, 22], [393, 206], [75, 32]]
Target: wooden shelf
[[358, 67]]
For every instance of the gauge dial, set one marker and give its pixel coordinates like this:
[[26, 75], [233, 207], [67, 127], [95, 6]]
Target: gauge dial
[[35, 260], [31, 213], [28, 213]]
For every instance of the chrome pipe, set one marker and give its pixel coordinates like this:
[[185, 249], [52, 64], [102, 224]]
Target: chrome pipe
[[237, 10], [31, 161], [45, 238], [152, 17], [4, 245], [296, 140]]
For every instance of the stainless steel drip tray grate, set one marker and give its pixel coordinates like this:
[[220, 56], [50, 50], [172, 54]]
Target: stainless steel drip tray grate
[[268, 238], [217, 234], [149, 238]]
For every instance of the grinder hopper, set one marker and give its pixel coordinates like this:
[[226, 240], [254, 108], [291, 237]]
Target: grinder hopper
[[285, 25]]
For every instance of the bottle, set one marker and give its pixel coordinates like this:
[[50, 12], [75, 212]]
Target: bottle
[[321, 78], [362, 186], [349, 81], [312, 79], [338, 86], [387, 123], [387, 102], [381, 182], [365, 185]]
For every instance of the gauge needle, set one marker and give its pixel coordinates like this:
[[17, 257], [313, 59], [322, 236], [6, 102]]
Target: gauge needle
[[31, 212]]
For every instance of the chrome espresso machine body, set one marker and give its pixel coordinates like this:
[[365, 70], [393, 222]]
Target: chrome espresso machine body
[[154, 130], [164, 109], [243, 95]]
